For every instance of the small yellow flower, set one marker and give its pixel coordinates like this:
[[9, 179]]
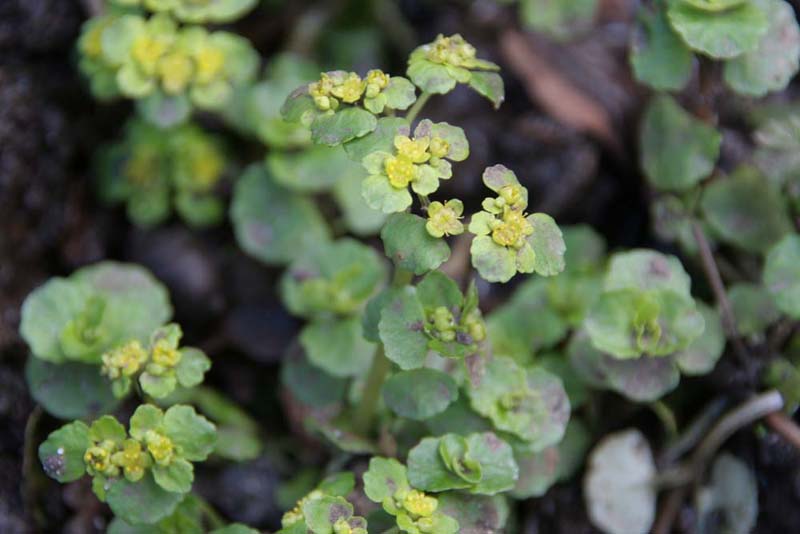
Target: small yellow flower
[[419, 504], [131, 459], [512, 230], [350, 89], [475, 326], [453, 50], [175, 70], [160, 447], [377, 81], [165, 354], [439, 147], [443, 219], [414, 150], [513, 196], [124, 361], [147, 50], [400, 171], [209, 61], [97, 459]]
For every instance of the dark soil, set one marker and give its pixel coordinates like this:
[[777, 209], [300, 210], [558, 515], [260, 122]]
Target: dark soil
[[51, 224]]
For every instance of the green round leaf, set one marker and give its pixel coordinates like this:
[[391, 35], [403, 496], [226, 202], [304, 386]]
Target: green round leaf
[[410, 246], [772, 65], [430, 77], [177, 476], [721, 34], [402, 332], [476, 514], [658, 56], [62, 453], [745, 211], [494, 262], [489, 85], [618, 488], [753, 308], [782, 275], [192, 368], [380, 140], [342, 126], [420, 393], [142, 502], [192, 433], [677, 150], [315, 169], [337, 346], [702, 354], [69, 390], [647, 270], [384, 477], [271, 223], [548, 245]]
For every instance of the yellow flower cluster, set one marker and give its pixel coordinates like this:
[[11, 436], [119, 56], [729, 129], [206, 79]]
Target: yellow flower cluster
[[124, 361], [453, 50], [348, 87], [444, 325], [415, 511], [445, 219], [511, 228], [108, 458], [402, 168], [165, 57]]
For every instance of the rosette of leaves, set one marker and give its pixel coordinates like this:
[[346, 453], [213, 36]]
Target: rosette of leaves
[[159, 368], [100, 72], [530, 404], [415, 512], [342, 106], [508, 240], [437, 67], [171, 68], [153, 169], [647, 379], [95, 309], [542, 311], [433, 316], [419, 161], [325, 510], [329, 286], [721, 29], [758, 40], [142, 474], [478, 463], [646, 308], [195, 11]]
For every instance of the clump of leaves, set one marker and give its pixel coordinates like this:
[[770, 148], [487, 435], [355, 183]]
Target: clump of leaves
[[168, 68], [153, 170], [758, 41], [144, 472]]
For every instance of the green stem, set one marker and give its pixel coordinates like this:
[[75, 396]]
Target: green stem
[[215, 520], [365, 412], [417, 107], [667, 418]]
